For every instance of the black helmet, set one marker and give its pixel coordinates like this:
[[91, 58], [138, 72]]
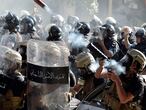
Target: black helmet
[[109, 30], [83, 28], [27, 24], [54, 33], [140, 33], [12, 22]]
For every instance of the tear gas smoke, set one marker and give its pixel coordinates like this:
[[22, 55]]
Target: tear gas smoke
[[109, 65], [115, 66], [77, 40]]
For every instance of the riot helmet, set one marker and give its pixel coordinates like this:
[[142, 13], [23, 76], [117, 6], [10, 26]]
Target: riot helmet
[[83, 28], [12, 22], [109, 30], [84, 59], [54, 33], [133, 56], [140, 33], [27, 24]]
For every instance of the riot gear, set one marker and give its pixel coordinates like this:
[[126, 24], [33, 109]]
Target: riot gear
[[83, 60], [133, 56], [83, 28], [54, 33], [12, 22], [140, 33], [27, 24], [139, 57], [13, 57], [108, 31]]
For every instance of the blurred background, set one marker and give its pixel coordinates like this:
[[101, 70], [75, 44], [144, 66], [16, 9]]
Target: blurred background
[[126, 12]]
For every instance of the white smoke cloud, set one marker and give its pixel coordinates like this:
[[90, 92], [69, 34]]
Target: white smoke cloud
[[114, 65], [77, 40], [109, 64]]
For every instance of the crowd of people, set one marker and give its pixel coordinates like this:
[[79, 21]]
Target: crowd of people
[[91, 44]]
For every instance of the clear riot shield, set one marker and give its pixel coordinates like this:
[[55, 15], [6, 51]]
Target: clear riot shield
[[48, 75]]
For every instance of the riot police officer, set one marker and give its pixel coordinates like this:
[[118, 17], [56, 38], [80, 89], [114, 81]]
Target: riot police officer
[[55, 33], [107, 40], [27, 28], [140, 41], [10, 35]]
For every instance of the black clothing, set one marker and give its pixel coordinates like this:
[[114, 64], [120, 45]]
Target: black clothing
[[134, 85], [111, 44], [12, 82], [141, 47], [121, 52]]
